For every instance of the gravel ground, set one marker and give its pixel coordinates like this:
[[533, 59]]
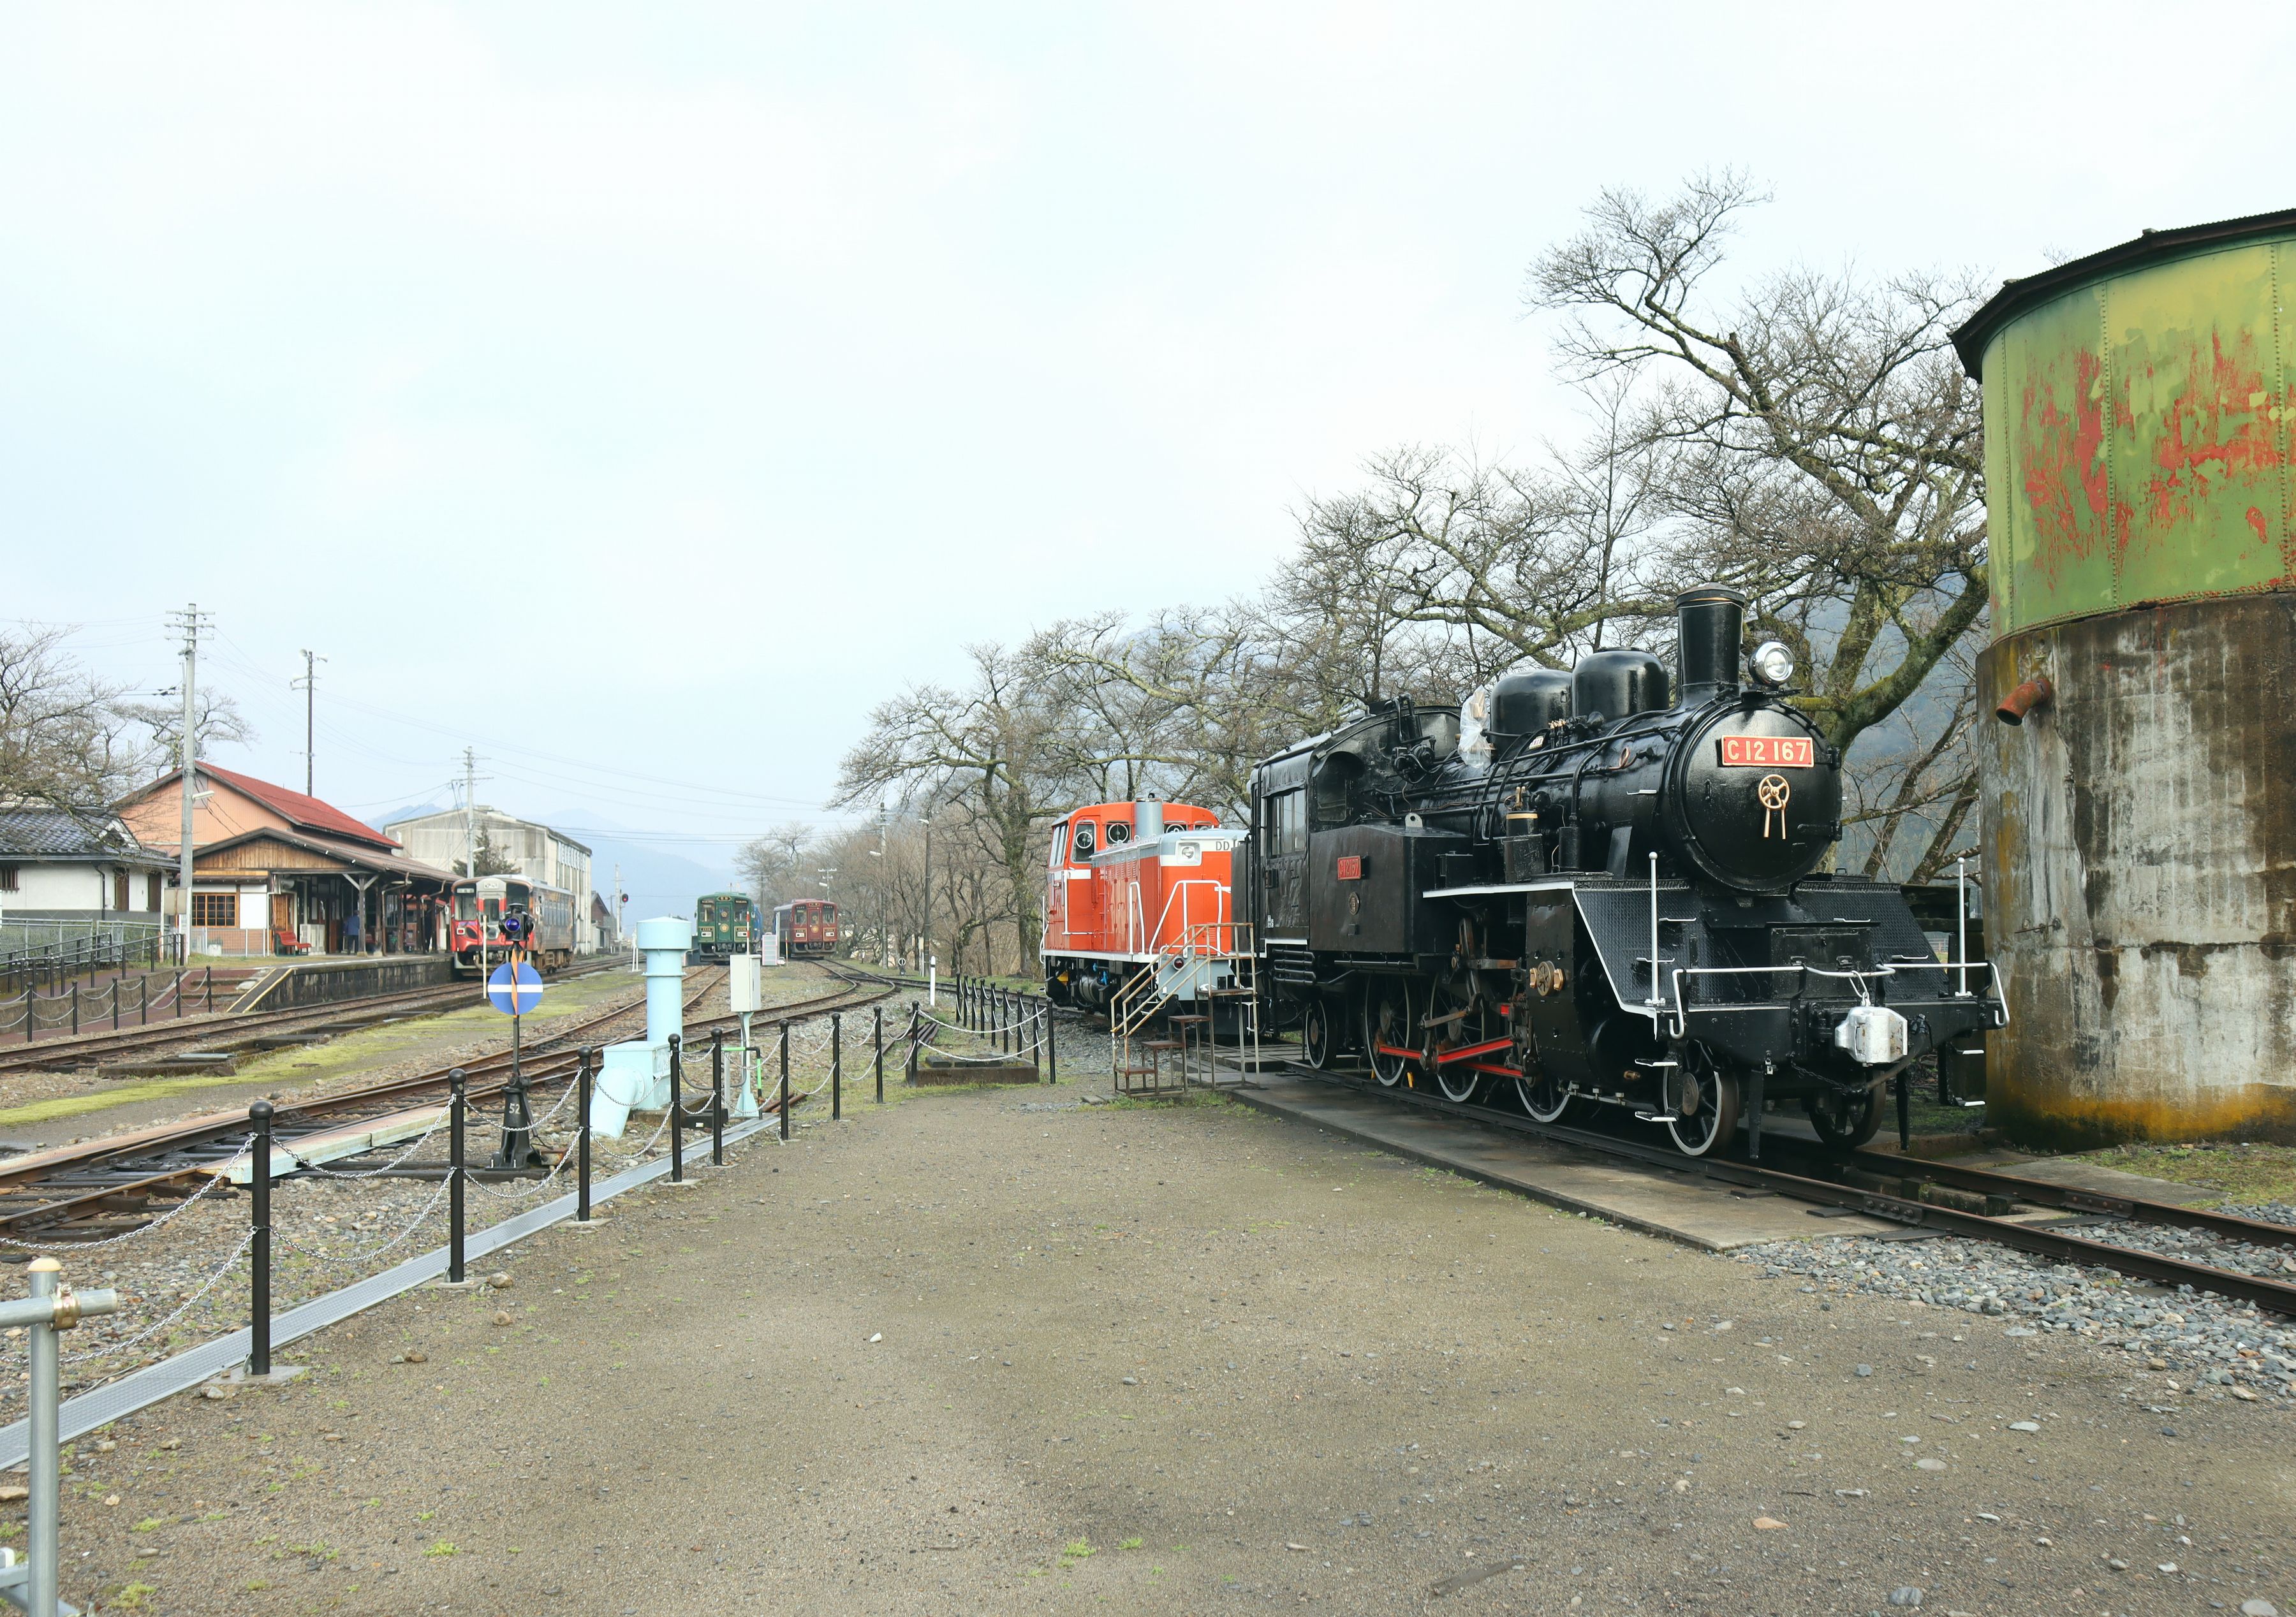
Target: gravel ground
[[987, 1350], [2177, 1345]]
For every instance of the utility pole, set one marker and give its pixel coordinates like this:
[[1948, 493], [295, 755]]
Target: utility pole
[[932, 966], [470, 814], [193, 623], [308, 685], [884, 938]]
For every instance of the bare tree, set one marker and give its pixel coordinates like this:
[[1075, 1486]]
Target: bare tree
[[68, 739], [1821, 443], [990, 752], [776, 866]]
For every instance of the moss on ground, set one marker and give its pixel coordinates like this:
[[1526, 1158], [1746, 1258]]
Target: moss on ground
[[2243, 1171]]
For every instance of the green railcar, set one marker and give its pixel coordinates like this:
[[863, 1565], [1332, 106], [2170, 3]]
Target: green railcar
[[725, 925]]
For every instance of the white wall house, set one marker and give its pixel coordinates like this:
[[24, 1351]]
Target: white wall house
[[70, 874]]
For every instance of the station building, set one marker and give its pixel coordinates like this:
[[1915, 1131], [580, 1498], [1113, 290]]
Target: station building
[[541, 854], [274, 870]]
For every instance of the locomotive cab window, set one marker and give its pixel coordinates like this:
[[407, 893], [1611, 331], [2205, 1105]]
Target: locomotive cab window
[[1086, 839], [1119, 832], [1060, 847], [1287, 819]]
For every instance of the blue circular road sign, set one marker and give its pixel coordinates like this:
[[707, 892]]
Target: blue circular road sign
[[514, 990]]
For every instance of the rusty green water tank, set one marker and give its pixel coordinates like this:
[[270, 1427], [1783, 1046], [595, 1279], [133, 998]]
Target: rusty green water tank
[[2139, 802]]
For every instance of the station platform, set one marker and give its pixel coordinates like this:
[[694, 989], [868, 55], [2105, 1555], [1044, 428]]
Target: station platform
[[1694, 1211]]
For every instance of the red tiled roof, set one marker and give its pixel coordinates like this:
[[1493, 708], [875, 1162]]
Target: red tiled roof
[[296, 808]]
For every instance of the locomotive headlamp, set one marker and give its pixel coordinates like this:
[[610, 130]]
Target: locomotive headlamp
[[1772, 663]]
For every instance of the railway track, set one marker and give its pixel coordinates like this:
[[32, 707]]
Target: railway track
[[221, 1033], [1905, 1204], [102, 1188]]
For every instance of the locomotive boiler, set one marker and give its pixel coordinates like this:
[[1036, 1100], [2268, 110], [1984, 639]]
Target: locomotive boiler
[[1616, 895]]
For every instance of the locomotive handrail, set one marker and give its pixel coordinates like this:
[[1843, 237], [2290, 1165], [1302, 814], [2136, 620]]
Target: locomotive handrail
[[1682, 1010], [1179, 891]]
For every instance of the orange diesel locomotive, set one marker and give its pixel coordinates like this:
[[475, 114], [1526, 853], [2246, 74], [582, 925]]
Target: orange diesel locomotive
[[1125, 882]]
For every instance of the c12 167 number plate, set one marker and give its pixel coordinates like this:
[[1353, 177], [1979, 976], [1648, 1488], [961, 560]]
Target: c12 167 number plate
[[1767, 752]]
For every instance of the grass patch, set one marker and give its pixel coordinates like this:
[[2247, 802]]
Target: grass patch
[[112, 1095], [2243, 1171]]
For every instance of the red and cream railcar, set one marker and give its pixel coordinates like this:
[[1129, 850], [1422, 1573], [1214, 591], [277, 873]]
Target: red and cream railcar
[[807, 930], [1129, 882]]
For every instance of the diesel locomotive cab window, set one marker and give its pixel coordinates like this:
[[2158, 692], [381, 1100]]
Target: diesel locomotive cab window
[[1086, 839], [1119, 832], [1060, 847]]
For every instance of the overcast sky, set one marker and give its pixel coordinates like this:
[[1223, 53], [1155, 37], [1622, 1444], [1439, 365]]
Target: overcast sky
[[640, 393]]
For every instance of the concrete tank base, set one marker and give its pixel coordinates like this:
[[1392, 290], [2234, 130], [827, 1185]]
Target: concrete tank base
[[2140, 869]]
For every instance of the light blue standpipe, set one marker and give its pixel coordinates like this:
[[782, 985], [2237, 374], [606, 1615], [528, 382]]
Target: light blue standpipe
[[634, 1076]]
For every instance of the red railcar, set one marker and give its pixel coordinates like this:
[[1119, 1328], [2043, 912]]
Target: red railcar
[[807, 929], [475, 934]]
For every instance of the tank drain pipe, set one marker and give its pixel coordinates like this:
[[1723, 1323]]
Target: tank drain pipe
[[2035, 692]]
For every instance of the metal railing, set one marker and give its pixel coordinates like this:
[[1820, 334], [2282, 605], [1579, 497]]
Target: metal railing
[[81, 1007], [116, 948], [1214, 961]]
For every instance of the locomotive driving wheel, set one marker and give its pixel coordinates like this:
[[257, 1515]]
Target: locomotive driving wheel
[[1705, 1106], [1315, 1035], [1453, 1022], [1389, 1029], [1546, 1097], [1847, 1120]]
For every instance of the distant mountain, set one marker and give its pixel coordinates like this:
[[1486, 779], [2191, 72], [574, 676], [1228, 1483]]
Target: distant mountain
[[659, 879]]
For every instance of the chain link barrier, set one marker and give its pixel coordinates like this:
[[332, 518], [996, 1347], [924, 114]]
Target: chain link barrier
[[106, 1350], [216, 1177]]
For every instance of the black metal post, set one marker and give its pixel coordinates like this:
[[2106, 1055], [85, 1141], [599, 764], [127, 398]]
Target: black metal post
[[258, 1313], [143, 1000], [29, 1011], [877, 1043], [914, 1019], [676, 1111], [454, 1110], [211, 984], [1904, 1116], [718, 1098], [179, 991], [582, 1139], [836, 1065], [75, 1026], [785, 1081], [1051, 1050]]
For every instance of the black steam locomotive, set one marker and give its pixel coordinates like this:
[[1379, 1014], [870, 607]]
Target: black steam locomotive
[[1615, 898]]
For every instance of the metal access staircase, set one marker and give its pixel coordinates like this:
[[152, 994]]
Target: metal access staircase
[[1153, 1050]]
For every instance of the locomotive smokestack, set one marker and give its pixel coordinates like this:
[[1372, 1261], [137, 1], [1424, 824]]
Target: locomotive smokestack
[[1711, 621]]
